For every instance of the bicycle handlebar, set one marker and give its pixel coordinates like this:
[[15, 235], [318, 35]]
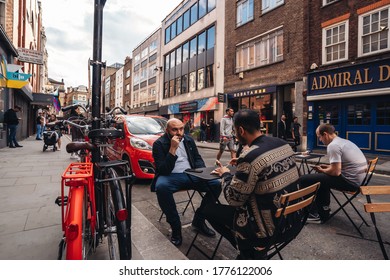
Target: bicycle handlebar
[[74, 106], [110, 112], [84, 127]]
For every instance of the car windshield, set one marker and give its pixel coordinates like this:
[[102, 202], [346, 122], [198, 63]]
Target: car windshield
[[146, 125]]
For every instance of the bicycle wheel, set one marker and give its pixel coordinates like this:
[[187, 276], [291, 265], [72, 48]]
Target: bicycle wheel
[[117, 227]]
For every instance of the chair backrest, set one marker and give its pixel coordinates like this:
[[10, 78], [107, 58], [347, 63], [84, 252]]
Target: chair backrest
[[291, 203], [370, 171], [373, 207], [294, 201], [376, 207]]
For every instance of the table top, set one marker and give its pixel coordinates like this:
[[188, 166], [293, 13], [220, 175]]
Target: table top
[[204, 172], [308, 156]]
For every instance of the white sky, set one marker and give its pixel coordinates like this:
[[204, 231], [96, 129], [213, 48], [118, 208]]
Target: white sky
[[69, 31]]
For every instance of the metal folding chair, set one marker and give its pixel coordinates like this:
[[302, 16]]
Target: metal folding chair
[[376, 207], [188, 202], [350, 196]]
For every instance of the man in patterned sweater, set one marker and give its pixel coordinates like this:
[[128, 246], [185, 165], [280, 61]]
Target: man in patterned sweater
[[264, 172]]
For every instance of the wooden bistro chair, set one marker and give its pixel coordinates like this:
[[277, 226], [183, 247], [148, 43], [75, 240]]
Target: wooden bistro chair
[[376, 207], [291, 203], [350, 196]]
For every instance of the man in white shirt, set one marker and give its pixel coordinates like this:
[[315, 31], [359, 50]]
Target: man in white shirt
[[345, 172]]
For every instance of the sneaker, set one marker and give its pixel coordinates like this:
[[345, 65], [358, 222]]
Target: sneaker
[[313, 218]]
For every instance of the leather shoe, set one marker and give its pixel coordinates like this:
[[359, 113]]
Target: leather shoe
[[18, 146], [176, 238], [203, 228], [12, 146]]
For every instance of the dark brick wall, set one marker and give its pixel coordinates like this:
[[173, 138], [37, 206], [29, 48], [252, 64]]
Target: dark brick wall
[[293, 16], [319, 14]]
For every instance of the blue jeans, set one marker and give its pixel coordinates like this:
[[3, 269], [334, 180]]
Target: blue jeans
[[39, 131], [12, 135], [166, 186]]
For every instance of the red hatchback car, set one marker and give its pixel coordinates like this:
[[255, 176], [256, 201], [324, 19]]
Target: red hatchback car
[[140, 133]]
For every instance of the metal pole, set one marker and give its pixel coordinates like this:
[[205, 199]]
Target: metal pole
[[96, 67]]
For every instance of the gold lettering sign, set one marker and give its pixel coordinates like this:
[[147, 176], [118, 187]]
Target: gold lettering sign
[[344, 79]]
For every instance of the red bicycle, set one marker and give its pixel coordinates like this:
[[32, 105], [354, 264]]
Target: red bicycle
[[94, 209]]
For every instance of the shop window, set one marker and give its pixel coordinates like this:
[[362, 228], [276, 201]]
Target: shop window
[[383, 113], [359, 114], [328, 114], [335, 43], [374, 32]]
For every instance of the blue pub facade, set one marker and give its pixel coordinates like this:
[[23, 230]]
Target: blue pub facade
[[356, 100]]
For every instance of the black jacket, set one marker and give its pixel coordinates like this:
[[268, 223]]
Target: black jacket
[[165, 161], [10, 117]]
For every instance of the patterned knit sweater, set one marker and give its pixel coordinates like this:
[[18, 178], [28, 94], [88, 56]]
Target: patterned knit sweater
[[264, 172]]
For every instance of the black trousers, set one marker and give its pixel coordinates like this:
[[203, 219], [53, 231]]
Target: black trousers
[[327, 182]]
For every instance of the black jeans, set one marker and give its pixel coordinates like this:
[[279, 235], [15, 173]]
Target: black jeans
[[326, 183]]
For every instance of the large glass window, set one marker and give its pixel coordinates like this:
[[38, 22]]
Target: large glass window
[[359, 114], [166, 90], [262, 51], [328, 114], [192, 85], [171, 88], [210, 37], [335, 42], [178, 86], [184, 83], [267, 5], [210, 5], [244, 11], [374, 30], [179, 25], [186, 19], [209, 76], [186, 51], [173, 59], [167, 62], [194, 13], [200, 79], [383, 113], [202, 7], [202, 42], [153, 46], [178, 55], [173, 30], [167, 34], [193, 47]]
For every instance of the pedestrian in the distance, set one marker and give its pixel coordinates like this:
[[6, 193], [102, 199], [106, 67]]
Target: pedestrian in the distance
[[12, 121], [39, 121], [295, 133]]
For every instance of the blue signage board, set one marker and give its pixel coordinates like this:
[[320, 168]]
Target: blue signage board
[[366, 76]]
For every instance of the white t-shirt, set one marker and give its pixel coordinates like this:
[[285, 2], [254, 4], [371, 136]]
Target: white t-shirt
[[182, 162], [353, 161]]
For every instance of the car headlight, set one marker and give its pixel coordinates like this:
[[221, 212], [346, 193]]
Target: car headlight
[[140, 144]]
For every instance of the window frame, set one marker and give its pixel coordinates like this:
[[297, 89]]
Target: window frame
[[269, 5], [239, 10], [360, 32], [325, 46]]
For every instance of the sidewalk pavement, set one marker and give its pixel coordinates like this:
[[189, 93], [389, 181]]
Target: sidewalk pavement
[[383, 166], [30, 221]]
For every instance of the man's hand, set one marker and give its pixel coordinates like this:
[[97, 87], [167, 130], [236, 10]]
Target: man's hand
[[175, 141], [220, 169]]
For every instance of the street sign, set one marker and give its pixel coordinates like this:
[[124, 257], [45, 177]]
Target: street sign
[[221, 97], [30, 56]]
